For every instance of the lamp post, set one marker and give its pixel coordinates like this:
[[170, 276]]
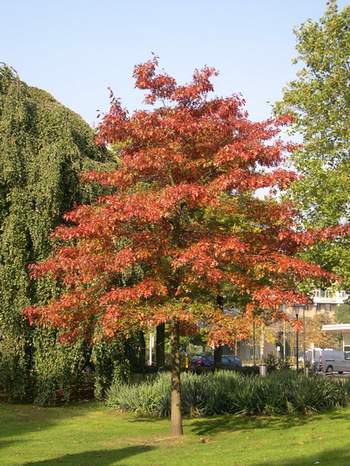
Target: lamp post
[[305, 307], [297, 336], [284, 341], [284, 334], [254, 355]]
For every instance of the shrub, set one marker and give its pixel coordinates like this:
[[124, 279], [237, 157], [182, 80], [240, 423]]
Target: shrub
[[229, 392], [283, 364], [58, 369], [110, 365], [271, 362]]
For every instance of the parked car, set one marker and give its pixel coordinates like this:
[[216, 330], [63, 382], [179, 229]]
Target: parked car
[[230, 362], [204, 363], [328, 360], [201, 363]]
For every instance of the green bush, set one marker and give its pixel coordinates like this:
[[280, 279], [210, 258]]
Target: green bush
[[271, 362], [222, 392], [110, 365], [57, 370]]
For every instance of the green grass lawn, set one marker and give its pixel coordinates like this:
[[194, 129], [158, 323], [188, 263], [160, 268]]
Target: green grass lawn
[[91, 435]]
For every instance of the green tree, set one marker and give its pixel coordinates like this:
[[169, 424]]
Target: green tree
[[342, 314], [43, 148], [319, 100]]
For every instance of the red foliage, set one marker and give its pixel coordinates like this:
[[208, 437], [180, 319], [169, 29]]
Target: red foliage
[[184, 224], [297, 325]]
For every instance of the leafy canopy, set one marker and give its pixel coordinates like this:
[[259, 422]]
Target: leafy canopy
[[43, 148], [184, 224], [319, 100]]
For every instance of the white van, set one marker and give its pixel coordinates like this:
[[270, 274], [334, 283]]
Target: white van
[[328, 360]]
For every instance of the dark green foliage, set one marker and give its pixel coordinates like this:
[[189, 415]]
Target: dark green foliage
[[110, 365], [248, 370], [160, 346], [58, 370], [43, 148], [282, 392], [135, 349]]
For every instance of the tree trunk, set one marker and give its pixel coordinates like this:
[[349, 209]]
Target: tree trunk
[[218, 350], [176, 417], [262, 344], [142, 353], [160, 346]]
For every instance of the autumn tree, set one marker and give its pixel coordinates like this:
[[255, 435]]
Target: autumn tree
[[314, 334], [183, 226]]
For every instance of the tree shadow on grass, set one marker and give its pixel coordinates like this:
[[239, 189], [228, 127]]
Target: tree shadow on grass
[[95, 457], [336, 457], [230, 423], [17, 420], [340, 416]]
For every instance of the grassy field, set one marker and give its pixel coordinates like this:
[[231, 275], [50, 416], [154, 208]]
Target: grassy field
[[91, 435]]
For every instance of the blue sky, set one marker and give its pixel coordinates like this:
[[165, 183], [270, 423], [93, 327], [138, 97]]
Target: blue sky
[[75, 49]]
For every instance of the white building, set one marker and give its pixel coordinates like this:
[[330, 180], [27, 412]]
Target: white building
[[329, 297], [343, 330], [323, 302]]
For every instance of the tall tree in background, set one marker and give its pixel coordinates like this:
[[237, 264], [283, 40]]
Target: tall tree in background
[[319, 100], [43, 148], [184, 222], [314, 334]]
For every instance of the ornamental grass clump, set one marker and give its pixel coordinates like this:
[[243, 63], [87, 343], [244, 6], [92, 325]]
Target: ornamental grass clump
[[284, 392]]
